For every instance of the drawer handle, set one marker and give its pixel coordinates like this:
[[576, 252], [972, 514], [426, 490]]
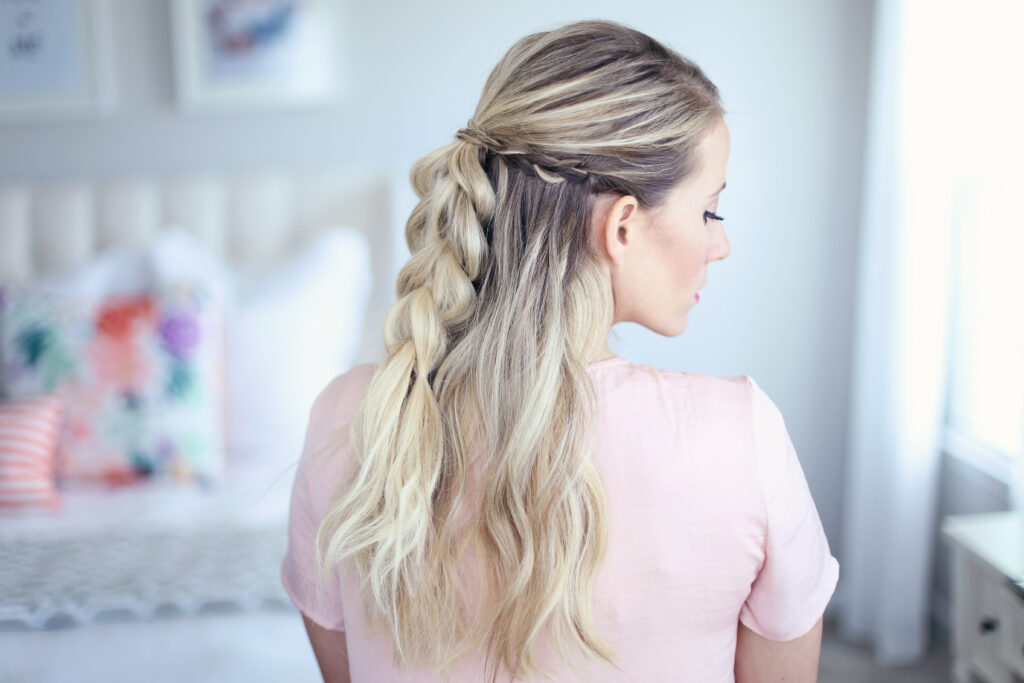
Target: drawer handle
[[989, 624]]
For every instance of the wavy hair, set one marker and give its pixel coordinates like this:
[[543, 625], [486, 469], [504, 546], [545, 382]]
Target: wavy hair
[[500, 307]]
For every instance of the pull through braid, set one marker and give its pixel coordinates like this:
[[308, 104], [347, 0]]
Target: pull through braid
[[445, 235]]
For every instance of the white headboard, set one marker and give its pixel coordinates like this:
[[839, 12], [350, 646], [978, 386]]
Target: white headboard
[[249, 220]]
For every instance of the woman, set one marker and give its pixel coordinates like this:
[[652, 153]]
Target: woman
[[502, 496]]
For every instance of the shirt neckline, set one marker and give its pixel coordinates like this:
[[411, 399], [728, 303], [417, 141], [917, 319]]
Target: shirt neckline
[[614, 360]]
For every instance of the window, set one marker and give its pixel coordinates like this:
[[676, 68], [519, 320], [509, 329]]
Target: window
[[985, 409]]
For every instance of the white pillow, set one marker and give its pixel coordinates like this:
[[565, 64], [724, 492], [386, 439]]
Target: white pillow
[[290, 329]]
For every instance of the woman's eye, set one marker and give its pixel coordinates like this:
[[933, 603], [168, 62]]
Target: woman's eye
[[713, 216]]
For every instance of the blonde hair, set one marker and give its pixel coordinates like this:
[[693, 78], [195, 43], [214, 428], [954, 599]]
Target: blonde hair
[[499, 309]]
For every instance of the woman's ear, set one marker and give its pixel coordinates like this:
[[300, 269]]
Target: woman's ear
[[617, 220]]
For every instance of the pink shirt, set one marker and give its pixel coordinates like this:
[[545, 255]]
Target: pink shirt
[[710, 523]]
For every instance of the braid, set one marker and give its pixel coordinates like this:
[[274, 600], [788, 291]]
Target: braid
[[445, 236], [547, 166]]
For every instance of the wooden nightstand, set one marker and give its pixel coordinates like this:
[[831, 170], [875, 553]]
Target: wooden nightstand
[[987, 637]]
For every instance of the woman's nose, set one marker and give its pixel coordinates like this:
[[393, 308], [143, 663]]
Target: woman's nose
[[719, 248]]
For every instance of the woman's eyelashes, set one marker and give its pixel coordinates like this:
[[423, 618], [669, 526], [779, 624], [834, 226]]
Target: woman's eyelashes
[[713, 216]]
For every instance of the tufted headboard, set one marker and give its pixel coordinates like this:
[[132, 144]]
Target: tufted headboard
[[249, 220]]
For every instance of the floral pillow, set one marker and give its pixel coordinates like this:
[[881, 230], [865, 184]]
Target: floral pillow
[[139, 368]]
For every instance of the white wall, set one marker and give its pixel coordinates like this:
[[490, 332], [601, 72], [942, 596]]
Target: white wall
[[792, 74]]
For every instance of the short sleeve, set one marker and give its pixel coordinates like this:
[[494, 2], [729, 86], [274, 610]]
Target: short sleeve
[[799, 573], [320, 601]]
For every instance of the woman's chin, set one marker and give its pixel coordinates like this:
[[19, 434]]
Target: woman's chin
[[666, 326], [674, 329]]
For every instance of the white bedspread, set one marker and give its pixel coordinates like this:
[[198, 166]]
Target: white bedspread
[[139, 548]]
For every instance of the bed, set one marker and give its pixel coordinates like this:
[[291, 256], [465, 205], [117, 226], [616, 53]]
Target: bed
[[144, 550]]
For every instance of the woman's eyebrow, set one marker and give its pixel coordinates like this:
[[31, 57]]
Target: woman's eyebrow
[[717, 191]]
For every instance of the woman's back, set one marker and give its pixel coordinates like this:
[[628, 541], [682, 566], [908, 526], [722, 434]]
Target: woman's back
[[710, 523]]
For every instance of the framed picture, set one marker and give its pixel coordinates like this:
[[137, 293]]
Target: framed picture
[[54, 59], [231, 54]]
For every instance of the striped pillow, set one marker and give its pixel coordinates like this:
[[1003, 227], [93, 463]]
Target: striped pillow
[[29, 435]]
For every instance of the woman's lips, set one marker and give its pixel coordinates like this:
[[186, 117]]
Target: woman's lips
[[696, 295]]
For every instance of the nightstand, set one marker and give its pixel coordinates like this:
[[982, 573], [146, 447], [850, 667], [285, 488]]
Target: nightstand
[[987, 554]]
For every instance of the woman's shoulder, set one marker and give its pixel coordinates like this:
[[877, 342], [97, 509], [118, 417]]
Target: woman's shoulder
[[333, 406], [625, 375], [346, 387], [336, 402], [324, 455]]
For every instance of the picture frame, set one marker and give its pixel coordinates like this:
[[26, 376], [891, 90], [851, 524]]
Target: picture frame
[[254, 54], [55, 59]]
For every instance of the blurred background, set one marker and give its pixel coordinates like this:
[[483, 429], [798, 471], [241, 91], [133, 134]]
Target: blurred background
[[222, 164]]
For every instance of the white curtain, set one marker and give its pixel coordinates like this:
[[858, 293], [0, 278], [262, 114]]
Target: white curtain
[[930, 106]]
